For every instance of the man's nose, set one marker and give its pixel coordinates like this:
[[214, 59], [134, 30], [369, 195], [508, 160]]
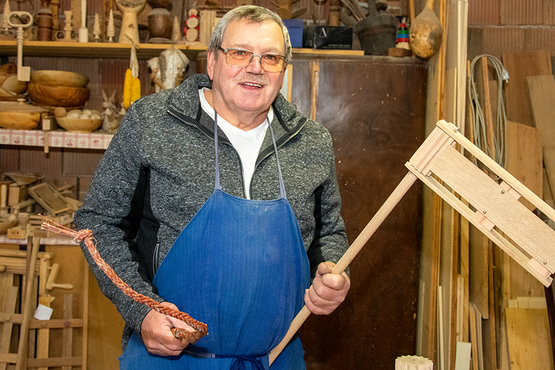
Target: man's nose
[[255, 64]]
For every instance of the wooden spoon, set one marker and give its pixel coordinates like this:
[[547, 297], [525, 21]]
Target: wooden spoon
[[426, 33]]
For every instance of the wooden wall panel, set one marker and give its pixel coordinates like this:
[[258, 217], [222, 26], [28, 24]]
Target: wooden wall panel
[[521, 12], [519, 66], [483, 13], [80, 162], [375, 111], [84, 183], [9, 159], [34, 160], [499, 41]]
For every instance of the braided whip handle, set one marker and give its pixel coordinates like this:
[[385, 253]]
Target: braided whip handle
[[87, 237]]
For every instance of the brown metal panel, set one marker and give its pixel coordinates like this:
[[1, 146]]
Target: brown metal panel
[[375, 111], [521, 12], [483, 13]]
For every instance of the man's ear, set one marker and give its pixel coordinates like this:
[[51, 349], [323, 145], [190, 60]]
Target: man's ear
[[210, 62]]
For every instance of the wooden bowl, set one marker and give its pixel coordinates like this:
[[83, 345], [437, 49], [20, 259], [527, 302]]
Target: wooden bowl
[[79, 125], [20, 116], [59, 78], [19, 120], [58, 96]]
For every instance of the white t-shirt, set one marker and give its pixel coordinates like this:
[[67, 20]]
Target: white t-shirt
[[246, 143]]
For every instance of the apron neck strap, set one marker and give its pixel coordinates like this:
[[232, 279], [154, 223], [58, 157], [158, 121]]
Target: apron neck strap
[[218, 184]]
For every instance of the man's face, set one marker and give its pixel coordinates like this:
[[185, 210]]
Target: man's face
[[248, 90]]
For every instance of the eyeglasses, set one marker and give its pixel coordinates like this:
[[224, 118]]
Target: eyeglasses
[[240, 58]]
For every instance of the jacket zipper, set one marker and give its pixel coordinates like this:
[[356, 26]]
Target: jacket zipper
[[155, 258], [259, 160]]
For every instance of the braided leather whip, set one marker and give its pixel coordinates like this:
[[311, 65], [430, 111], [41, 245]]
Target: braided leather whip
[[87, 237]]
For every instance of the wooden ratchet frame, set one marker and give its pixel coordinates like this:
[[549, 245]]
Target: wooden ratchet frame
[[493, 207], [496, 210]]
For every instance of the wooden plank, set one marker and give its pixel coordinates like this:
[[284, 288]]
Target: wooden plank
[[85, 334], [27, 310], [55, 362], [529, 343], [463, 356], [9, 293], [524, 157], [520, 66], [479, 277], [67, 349], [541, 103], [42, 324], [524, 162]]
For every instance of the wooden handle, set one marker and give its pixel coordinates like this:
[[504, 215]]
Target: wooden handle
[[353, 250]]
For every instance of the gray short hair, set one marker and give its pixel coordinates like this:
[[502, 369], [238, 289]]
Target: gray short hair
[[251, 13]]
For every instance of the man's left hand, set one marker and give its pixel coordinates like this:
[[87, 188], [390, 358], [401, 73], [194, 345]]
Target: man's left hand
[[327, 291]]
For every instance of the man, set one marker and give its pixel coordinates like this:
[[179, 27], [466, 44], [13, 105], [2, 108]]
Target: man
[[219, 199]]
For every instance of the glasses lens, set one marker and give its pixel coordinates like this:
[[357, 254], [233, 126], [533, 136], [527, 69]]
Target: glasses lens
[[272, 62], [238, 58], [242, 58]]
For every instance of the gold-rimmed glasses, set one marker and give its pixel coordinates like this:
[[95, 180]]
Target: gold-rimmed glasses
[[241, 58]]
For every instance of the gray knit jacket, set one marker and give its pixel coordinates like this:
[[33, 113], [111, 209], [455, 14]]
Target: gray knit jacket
[[159, 170]]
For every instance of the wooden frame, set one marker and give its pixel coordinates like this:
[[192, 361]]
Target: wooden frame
[[49, 198], [492, 206]]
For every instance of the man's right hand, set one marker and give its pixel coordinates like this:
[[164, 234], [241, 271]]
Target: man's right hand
[[157, 335]]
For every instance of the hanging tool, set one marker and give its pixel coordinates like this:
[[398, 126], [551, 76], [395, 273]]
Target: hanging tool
[[23, 73]]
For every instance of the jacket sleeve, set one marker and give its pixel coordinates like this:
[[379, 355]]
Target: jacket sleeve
[[106, 211], [330, 238]]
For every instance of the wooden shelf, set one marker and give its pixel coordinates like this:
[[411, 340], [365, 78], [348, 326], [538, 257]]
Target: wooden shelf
[[60, 49], [44, 241], [56, 139]]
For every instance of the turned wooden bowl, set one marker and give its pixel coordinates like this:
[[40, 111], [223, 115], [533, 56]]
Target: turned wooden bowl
[[20, 116], [59, 78], [79, 125], [19, 120], [58, 96]]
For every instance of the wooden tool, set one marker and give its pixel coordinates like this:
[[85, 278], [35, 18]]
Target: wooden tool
[[23, 73], [491, 206], [426, 33]]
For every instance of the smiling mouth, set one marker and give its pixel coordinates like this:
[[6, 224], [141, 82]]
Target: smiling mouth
[[252, 84]]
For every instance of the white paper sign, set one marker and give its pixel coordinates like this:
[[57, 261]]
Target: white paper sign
[[43, 313]]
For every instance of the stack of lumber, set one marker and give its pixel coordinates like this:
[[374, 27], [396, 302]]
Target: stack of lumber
[[24, 196]]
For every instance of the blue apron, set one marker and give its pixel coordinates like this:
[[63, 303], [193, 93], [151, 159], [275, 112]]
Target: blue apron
[[240, 267]]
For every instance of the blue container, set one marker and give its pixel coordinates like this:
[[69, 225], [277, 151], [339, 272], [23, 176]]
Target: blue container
[[295, 29]]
